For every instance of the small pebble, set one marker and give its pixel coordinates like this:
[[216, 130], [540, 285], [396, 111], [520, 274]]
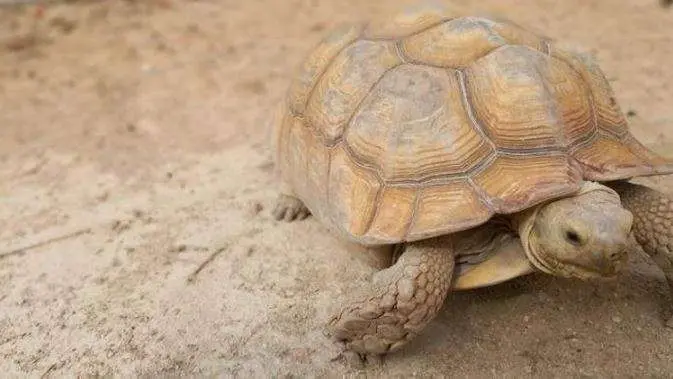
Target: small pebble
[[120, 225], [63, 24], [255, 208], [179, 248], [249, 251], [20, 42], [616, 319], [103, 196], [670, 323]]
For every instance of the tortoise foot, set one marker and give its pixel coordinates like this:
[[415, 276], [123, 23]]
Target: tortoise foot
[[359, 361], [398, 305], [289, 208]]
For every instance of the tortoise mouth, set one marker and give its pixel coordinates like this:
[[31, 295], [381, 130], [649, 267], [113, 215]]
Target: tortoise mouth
[[567, 269]]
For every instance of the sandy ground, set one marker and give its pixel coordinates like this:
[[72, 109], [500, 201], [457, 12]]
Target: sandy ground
[[136, 131]]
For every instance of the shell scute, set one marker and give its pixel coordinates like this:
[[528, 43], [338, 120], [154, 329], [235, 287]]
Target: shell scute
[[513, 183], [607, 158], [413, 127], [517, 35], [447, 207], [512, 102], [296, 145], [352, 194], [317, 169], [609, 117], [350, 76], [411, 21], [394, 213], [452, 44], [317, 61]]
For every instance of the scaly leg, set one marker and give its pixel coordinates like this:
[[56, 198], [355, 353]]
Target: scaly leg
[[401, 301], [652, 223]]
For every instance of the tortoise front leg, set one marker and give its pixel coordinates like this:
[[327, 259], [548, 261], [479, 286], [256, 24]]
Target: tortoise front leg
[[652, 223], [399, 303]]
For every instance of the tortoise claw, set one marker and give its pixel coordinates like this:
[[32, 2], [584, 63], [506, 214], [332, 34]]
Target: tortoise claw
[[289, 208], [357, 360]]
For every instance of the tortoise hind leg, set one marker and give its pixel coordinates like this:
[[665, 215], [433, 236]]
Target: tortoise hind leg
[[399, 303], [652, 223], [288, 207]]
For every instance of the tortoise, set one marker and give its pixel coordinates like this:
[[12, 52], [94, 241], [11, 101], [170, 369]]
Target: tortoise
[[478, 149]]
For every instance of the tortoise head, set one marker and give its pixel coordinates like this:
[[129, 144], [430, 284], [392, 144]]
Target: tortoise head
[[583, 236]]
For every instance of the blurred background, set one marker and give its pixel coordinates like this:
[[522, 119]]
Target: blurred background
[[133, 148]]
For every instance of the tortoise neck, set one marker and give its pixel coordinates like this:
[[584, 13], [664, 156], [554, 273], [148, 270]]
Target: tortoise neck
[[524, 223]]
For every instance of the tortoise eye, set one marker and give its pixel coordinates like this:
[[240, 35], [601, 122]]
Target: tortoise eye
[[573, 237]]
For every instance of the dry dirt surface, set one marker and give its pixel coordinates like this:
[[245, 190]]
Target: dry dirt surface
[[136, 185]]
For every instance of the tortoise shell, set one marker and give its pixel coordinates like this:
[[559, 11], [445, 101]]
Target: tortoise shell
[[427, 124]]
